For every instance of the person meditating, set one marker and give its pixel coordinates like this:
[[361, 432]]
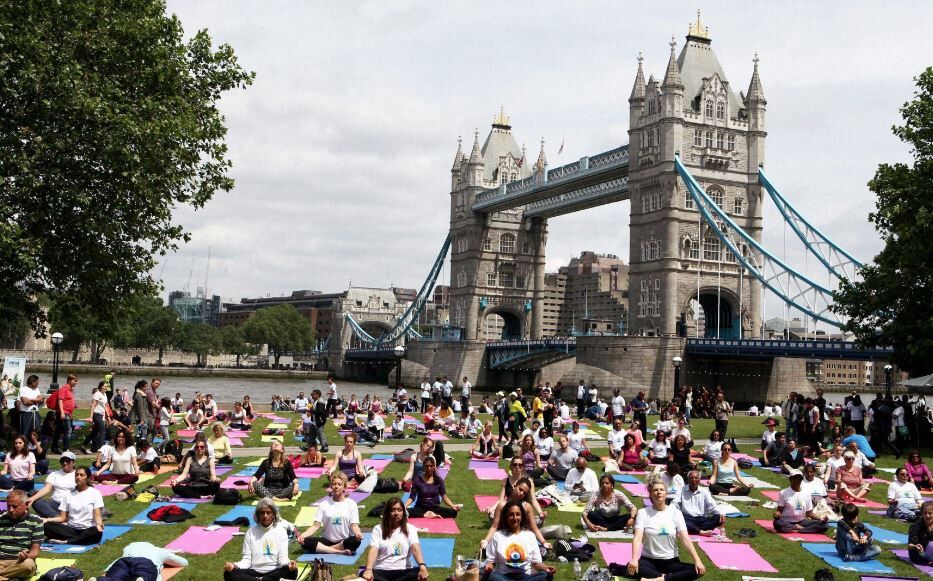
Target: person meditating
[[121, 467], [725, 479], [275, 477], [698, 507], [515, 475], [21, 535], [394, 546], [312, 457], [60, 483], [223, 453], [630, 458], [513, 553], [919, 536], [19, 468], [521, 492], [850, 482], [427, 493], [604, 511], [349, 461], [79, 521], [339, 516], [794, 511], [198, 477], [654, 548], [485, 447], [265, 549]]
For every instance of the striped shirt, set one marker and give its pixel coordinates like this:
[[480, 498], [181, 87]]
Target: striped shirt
[[16, 535]]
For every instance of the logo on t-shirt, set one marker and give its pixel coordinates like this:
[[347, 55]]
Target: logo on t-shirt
[[515, 555], [337, 520], [397, 549]]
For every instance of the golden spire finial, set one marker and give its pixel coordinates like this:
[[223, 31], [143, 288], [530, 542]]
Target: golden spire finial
[[501, 118], [697, 29]]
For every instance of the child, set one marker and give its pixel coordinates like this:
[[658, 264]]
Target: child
[[853, 538], [103, 455], [148, 459]]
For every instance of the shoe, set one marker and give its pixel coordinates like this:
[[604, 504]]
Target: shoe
[[83, 450]]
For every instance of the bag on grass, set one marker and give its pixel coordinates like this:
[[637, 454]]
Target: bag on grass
[[563, 548], [384, 485], [171, 448], [227, 496], [404, 456], [376, 511], [169, 513], [369, 484], [745, 463], [63, 574]]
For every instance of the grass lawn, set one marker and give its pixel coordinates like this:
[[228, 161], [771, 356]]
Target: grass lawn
[[786, 556]]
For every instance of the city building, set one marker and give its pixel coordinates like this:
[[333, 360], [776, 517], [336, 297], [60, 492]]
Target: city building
[[595, 295], [196, 309]]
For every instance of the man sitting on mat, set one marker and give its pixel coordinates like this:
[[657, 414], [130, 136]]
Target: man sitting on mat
[[698, 507], [794, 513]]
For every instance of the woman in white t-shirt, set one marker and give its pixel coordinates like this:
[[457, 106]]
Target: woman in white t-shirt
[[99, 416], [712, 450], [658, 448], [394, 546], [79, 521], [265, 548], [903, 497], [60, 483], [339, 517], [19, 468], [654, 548], [513, 552], [545, 444], [577, 440], [121, 467], [833, 463]]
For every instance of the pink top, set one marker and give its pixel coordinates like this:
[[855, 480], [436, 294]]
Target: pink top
[[637, 435], [917, 472], [18, 466]]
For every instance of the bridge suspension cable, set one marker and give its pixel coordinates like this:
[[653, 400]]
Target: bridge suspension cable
[[404, 324], [839, 262], [793, 288]]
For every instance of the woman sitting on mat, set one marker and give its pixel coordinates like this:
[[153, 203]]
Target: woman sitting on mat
[[122, 463], [349, 461], [630, 457], [604, 510], [265, 549], [238, 418], [339, 516], [485, 447], [850, 484], [712, 450], [531, 458], [19, 468], [60, 483], [223, 453], [659, 448], [513, 552], [833, 463], [416, 463], [654, 548], [725, 479], [680, 454], [394, 546], [198, 477], [428, 492], [516, 474], [312, 457], [635, 430], [904, 499], [521, 492], [793, 457], [919, 536], [79, 521], [275, 477], [918, 471], [248, 407]]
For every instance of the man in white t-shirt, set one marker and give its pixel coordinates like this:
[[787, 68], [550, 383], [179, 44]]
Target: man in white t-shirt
[[28, 402], [616, 439], [331, 397], [581, 400], [436, 389], [581, 482], [301, 403], [794, 513], [425, 394], [564, 412], [618, 405], [448, 391], [466, 389]]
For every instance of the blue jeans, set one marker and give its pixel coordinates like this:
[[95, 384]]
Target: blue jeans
[[27, 423], [850, 550]]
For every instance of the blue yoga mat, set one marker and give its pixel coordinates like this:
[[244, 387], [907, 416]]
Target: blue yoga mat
[[625, 478], [142, 519], [339, 559], [382, 457], [304, 484], [247, 471], [238, 511], [827, 552], [886, 536], [110, 532], [437, 552]]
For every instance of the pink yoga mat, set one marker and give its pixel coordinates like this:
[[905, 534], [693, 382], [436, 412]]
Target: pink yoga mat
[[379, 465], [231, 481], [736, 556], [867, 504], [439, 526], [108, 489], [484, 502], [198, 541], [310, 472], [614, 552], [483, 464], [490, 474], [772, 494], [638, 489], [235, 441], [804, 537], [437, 436], [187, 433]]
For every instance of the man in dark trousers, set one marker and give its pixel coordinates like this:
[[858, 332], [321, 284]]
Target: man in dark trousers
[[640, 413], [320, 418]]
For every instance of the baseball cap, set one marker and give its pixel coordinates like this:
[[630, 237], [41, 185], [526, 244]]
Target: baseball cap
[[794, 472], [68, 455]]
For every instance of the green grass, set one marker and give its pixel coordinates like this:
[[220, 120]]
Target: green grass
[[786, 556]]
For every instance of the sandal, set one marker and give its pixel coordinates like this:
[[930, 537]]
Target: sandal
[[746, 533]]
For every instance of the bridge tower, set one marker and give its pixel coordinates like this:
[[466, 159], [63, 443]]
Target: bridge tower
[[496, 258], [679, 269]]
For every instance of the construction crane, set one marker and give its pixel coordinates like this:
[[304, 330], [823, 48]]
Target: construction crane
[[190, 274], [207, 270]]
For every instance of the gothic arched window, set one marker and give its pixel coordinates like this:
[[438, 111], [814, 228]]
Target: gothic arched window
[[709, 108], [720, 140], [507, 244], [715, 192], [720, 110], [461, 279], [698, 138]]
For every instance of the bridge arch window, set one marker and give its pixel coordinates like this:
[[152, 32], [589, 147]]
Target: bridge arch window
[[731, 145], [487, 243], [526, 247], [513, 177], [520, 281], [462, 244], [461, 279], [506, 277], [738, 207], [709, 139], [729, 256], [711, 248], [716, 194], [698, 138], [709, 108], [490, 279], [720, 140], [652, 106], [507, 244], [720, 110], [688, 200], [693, 249]]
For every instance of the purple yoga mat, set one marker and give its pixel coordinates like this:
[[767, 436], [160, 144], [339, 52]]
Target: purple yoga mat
[[902, 554], [198, 541], [483, 465], [613, 552], [108, 489], [235, 441], [736, 556]]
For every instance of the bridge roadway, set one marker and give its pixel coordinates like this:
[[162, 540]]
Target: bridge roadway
[[587, 183]]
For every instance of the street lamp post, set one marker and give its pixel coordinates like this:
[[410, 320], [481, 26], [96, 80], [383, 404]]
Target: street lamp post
[[57, 339], [677, 361], [399, 352], [887, 380]]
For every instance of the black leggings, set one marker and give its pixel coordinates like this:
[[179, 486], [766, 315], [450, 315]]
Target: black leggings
[[725, 488], [310, 544], [195, 490], [616, 522], [282, 572], [398, 575], [71, 535], [441, 510], [671, 569]]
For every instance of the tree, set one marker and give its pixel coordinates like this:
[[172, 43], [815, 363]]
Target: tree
[[234, 343], [891, 306], [197, 338], [108, 121], [82, 326], [150, 326], [282, 328]]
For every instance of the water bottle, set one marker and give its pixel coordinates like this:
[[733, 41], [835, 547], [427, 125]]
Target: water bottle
[[577, 569], [459, 562]]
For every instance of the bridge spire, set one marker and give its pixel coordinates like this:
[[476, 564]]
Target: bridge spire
[[476, 156], [638, 90], [458, 157], [756, 94], [697, 31], [672, 75], [541, 164]]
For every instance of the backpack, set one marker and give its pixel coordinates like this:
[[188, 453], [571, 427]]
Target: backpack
[[171, 448], [63, 574], [316, 570], [169, 513], [404, 456], [564, 549], [227, 496], [745, 463], [384, 485]]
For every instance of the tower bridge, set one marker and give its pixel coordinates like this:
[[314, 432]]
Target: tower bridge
[[693, 174]]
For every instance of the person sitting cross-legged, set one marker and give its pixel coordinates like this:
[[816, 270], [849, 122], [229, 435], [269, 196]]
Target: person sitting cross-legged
[[79, 521], [512, 552], [429, 495], [59, 483], [794, 513], [726, 479], [394, 544], [581, 482], [562, 460], [265, 549], [20, 537], [698, 507], [339, 516], [604, 512]]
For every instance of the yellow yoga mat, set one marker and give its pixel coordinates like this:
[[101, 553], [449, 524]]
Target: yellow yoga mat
[[277, 426], [291, 502], [270, 439], [305, 516], [43, 565]]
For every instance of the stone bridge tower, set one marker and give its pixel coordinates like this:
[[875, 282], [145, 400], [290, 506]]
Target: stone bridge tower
[[678, 266], [496, 259]]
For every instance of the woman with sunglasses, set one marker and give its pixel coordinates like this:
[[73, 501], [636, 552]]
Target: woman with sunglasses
[[79, 521], [275, 477], [635, 431], [394, 546], [659, 449], [428, 492], [918, 471], [850, 484], [630, 457], [726, 479], [516, 473], [198, 477], [60, 483]]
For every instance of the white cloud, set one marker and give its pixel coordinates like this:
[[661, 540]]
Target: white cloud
[[342, 147]]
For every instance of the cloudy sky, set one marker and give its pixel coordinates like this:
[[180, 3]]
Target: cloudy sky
[[342, 147]]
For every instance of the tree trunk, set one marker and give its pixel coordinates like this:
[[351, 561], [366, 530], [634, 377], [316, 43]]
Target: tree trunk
[[161, 353], [74, 354], [277, 355], [237, 359]]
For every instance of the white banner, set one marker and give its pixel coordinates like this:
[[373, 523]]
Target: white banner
[[12, 378]]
